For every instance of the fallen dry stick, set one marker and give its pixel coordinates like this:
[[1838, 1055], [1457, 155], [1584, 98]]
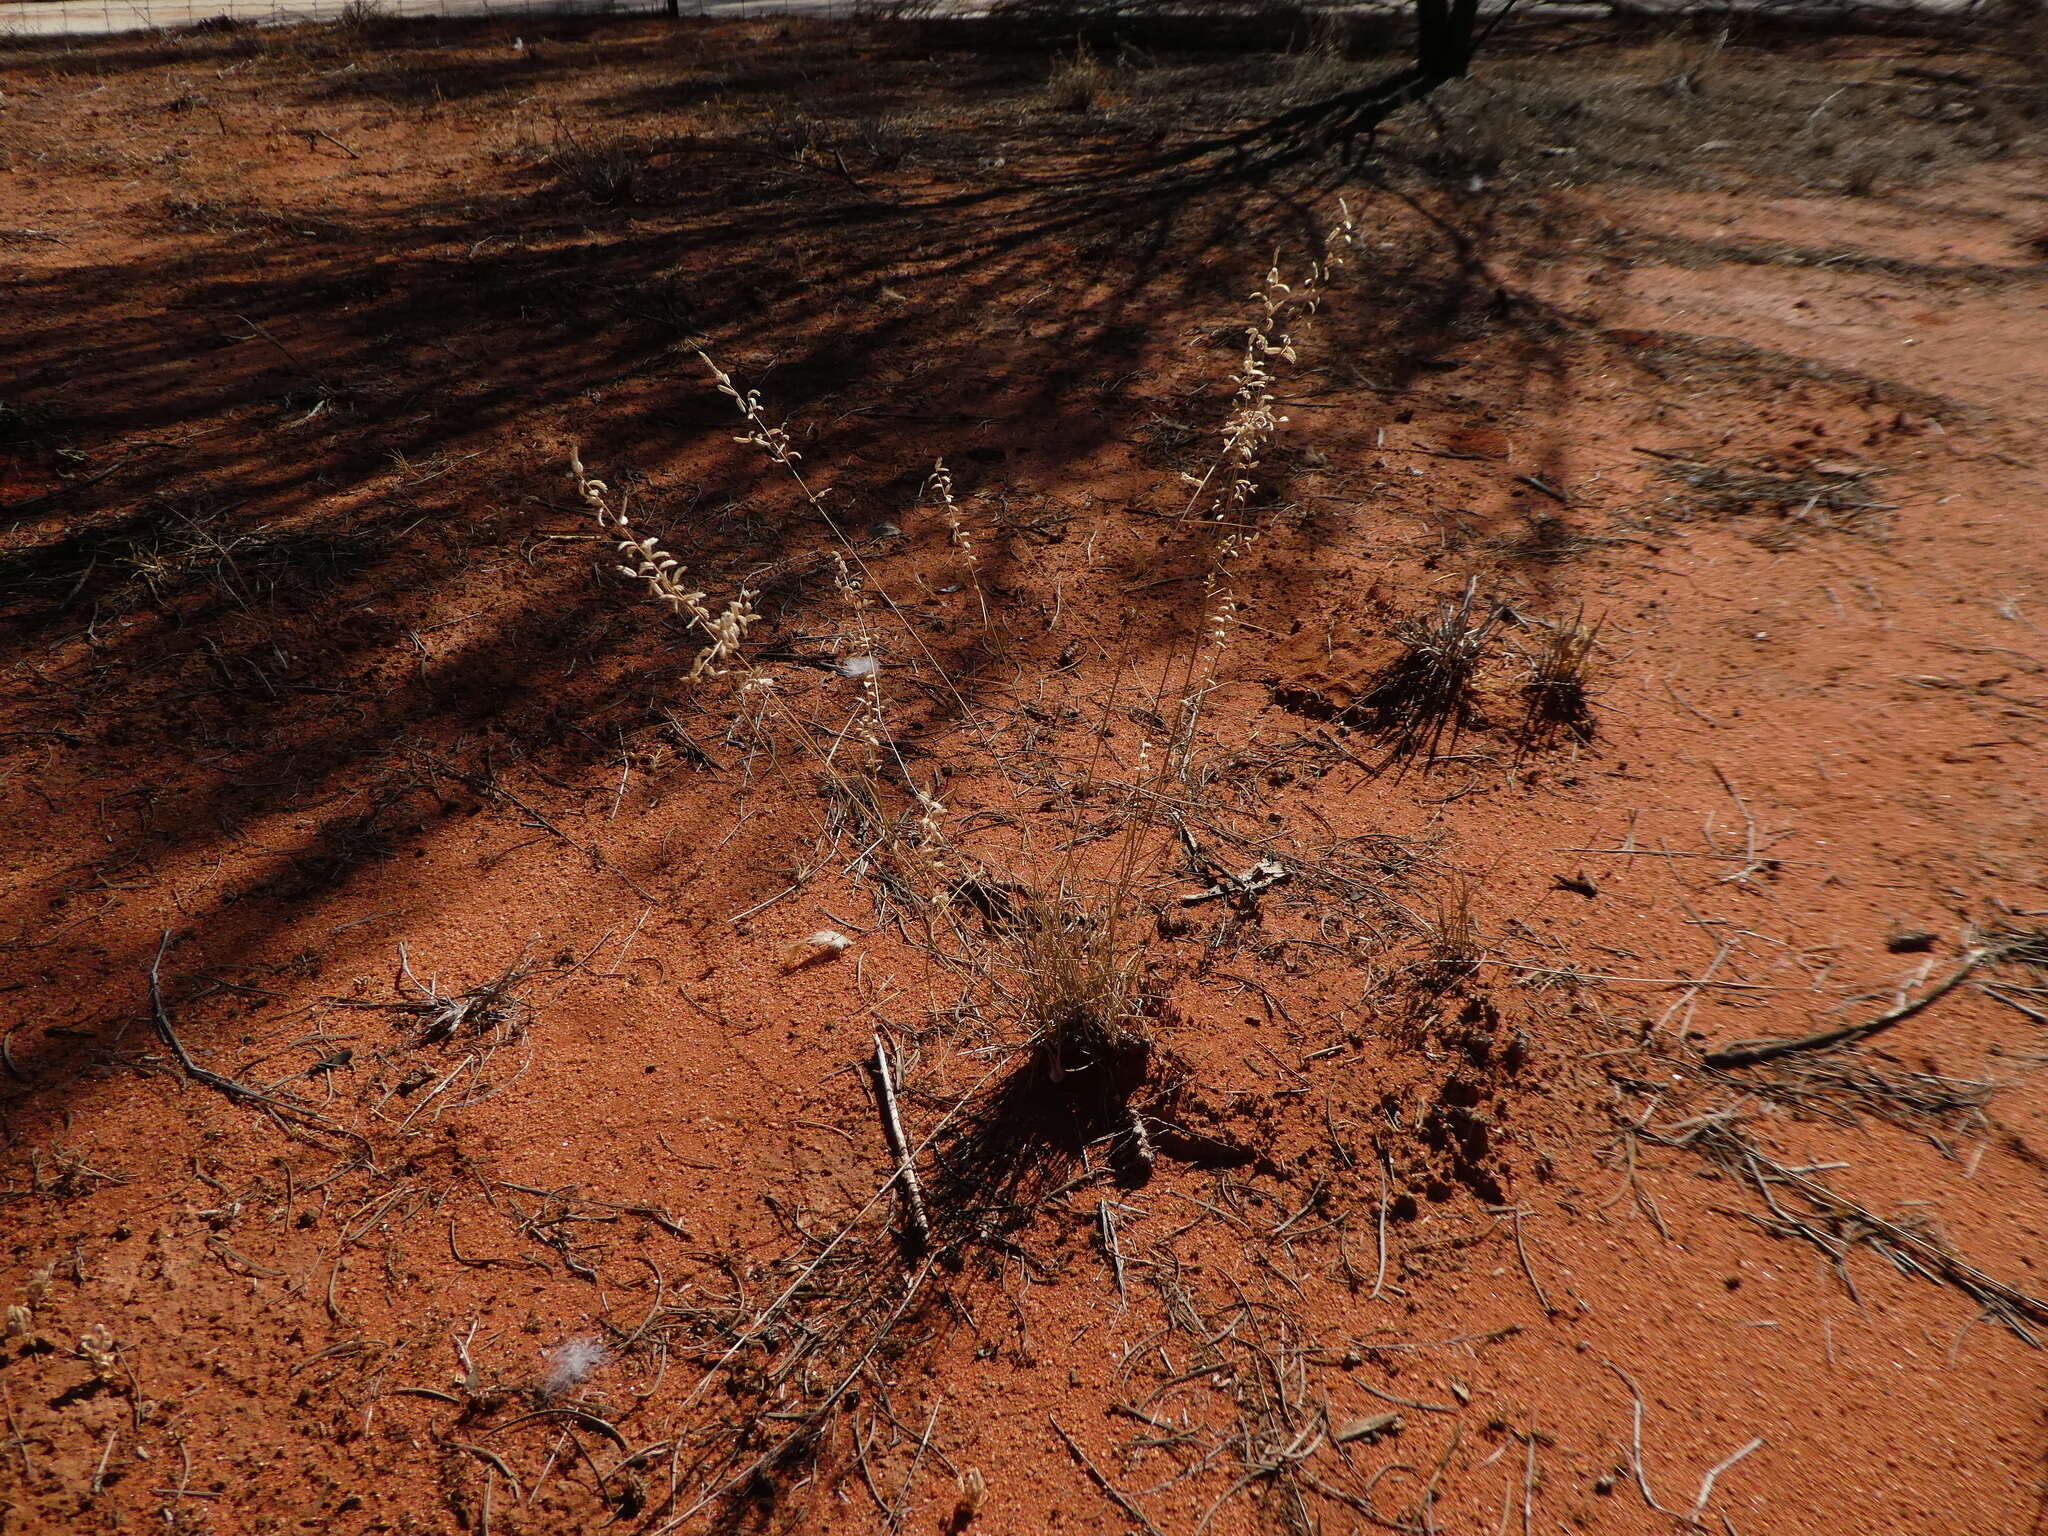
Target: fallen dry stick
[[1699, 1503], [899, 1145], [1770, 1050], [1097, 1477], [160, 1020]]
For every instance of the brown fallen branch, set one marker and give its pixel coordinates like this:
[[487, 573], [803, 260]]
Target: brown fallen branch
[[1827, 1039], [579, 1416], [321, 133]]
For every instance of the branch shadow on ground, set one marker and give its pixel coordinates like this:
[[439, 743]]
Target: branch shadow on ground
[[300, 471]]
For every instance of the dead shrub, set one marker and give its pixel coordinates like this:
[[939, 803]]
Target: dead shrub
[[882, 140], [1078, 83], [366, 21], [793, 138], [603, 169]]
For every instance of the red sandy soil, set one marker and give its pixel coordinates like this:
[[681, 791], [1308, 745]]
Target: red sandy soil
[[321, 690]]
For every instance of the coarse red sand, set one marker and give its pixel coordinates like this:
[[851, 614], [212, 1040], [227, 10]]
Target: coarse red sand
[[322, 699]]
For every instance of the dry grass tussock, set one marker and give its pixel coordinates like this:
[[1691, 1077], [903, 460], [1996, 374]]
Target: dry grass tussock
[[1424, 696], [1560, 666], [1079, 82], [1048, 937], [603, 168], [1052, 944]]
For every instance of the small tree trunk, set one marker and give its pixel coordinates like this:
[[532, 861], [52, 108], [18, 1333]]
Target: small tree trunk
[[1444, 37]]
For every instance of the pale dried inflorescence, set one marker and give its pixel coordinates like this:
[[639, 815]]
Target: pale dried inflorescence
[[862, 665], [938, 487], [928, 837], [869, 727], [1221, 600], [1227, 486], [643, 559], [1253, 420], [96, 1347], [931, 818], [973, 1494], [771, 440]]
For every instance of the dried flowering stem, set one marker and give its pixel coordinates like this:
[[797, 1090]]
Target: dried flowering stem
[[1229, 482], [1221, 600], [854, 581], [643, 559], [1220, 606], [771, 440], [774, 441], [864, 666], [938, 488], [1253, 422]]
